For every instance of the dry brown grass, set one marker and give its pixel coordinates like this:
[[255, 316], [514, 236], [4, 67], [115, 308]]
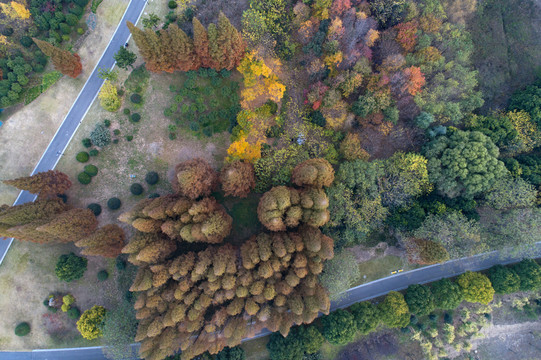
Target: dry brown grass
[[26, 133], [150, 150]]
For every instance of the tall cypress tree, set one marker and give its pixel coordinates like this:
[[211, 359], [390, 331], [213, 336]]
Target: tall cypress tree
[[107, 241], [230, 42], [158, 60], [201, 43], [140, 38], [28, 212], [49, 183], [182, 46], [63, 61], [215, 52], [71, 225]]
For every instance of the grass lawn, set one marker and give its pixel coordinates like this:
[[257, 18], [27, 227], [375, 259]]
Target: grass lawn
[[26, 279], [381, 267], [256, 349], [27, 132]]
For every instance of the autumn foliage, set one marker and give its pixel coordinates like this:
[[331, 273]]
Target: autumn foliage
[[406, 35], [107, 241], [44, 184], [415, 80], [313, 172], [219, 47], [63, 61], [238, 178], [195, 178]]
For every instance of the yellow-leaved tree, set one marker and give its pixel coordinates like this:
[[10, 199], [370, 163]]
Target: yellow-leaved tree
[[260, 83], [527, 135], [241, 149], [108, 95], [15, 10]]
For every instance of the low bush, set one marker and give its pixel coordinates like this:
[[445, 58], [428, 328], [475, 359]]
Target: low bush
[[103, 275], [96, 208], [82, 157], [114, 203], [127, 111], [152, 178], [100, 136], [107, 123], [136, 189], [22, 329], [136, 98], [74, 313], [93, 152], [84, 178], [135, 117], [129, 138], [116, 132], [120, 263], [154, 195], [173, 136], [172, 4], [87, 142], [70, 267], [91, 170]]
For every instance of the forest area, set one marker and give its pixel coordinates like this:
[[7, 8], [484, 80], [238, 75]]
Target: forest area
[[245, 164]]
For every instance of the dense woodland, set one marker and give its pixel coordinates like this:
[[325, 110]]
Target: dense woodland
[[357, 122]]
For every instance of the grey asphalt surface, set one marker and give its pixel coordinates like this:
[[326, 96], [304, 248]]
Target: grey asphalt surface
[[363, 292], [86, 97]]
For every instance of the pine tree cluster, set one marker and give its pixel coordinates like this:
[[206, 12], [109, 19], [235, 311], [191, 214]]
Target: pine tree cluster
[[214, 298], [181, 219], [49, 220], [207, 300], [219, 47]]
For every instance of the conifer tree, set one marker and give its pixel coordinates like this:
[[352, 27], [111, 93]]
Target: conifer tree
[[49, 183], [63, 61], [215, 51], [107, 241], [183, 48], [71, 225], [238, 178], [230, 43], [201, 43], [195, 178], [28, 212], [139, 36]]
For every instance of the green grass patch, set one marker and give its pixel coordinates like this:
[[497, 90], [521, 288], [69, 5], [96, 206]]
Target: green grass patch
[[206, 102], [256, 349], [381, 267], [46, 82], [244, 214], [138, 78]]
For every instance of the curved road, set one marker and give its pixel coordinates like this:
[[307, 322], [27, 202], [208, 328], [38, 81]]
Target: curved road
[[78, 110], [363, 292]]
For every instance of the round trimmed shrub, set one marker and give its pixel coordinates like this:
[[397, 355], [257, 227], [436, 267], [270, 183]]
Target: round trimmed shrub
[[135, 117], [103, 275], [114, 203], [173, 136], [172, 4], [84, 178], [126, 111], [115, 141], [87, 142], [96, 208], [136, 189], [22, 329], [136, 98], [82, 157], [116, 132], [120, 92], [107, 123], [93, 152], [26, 41], [70, 267], [120, 263], [74, 313], [152, 178], [129, 138], [91, 170]]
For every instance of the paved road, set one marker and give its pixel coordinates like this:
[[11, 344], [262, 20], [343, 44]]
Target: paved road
[[359, 293], [78, 110]]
